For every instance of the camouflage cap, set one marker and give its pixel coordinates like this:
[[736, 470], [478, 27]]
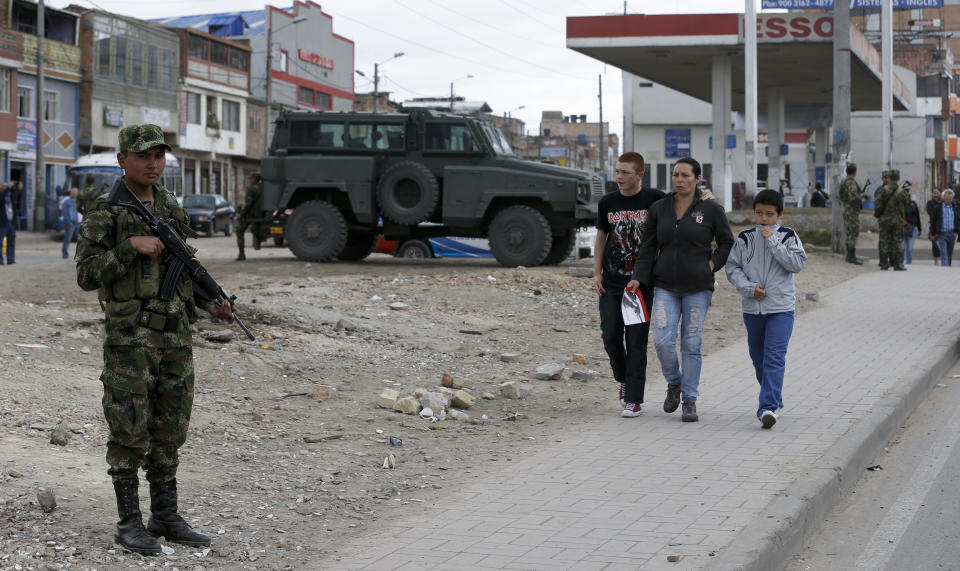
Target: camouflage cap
[[885, 174], [139, 138], [852, 166]]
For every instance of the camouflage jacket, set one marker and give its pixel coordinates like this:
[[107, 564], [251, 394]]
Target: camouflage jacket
[[894, 202], [850, 194], [86, 199], [252, 201], [127, 282]]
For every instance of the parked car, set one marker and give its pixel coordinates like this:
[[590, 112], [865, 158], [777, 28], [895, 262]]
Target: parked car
[[210, 213]]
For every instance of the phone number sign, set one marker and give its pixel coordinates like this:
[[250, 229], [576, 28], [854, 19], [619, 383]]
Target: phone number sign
[[854, 4]]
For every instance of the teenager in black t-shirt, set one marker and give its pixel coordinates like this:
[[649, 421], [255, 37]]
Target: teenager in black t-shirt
[[621, 217]]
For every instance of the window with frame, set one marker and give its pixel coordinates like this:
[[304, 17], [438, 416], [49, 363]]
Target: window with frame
[[193, 108], [239, 59], [317, 134], [136, 62], [51, 106], [254, 118], [197, 47], [323, 100], [25, 102], [103, 57], [153, 67], [283, 61], [218, 54], [231, 116], [450, 137], [305, 96], [4, 90], [391, 137], [166, 69], [120, 59]]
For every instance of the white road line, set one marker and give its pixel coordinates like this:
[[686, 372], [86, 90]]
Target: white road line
[[885, 539]]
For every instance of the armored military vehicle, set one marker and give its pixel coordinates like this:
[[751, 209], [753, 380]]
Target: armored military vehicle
[[349, 177]]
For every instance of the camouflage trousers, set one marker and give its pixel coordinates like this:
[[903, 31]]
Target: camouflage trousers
[[242, 226], [851, 227], [891, 240], [147, 399]]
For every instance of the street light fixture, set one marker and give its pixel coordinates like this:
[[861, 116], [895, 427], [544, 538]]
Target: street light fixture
[[509, 124], [376, 78], [468, 76], [269, 70]]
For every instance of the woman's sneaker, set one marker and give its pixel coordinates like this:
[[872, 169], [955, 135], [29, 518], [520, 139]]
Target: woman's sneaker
[[768, 418], [631, 410]]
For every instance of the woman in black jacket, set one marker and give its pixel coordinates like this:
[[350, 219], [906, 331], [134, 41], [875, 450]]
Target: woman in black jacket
[[677, 256]]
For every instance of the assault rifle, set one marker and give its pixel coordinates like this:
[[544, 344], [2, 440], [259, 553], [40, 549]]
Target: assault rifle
[[178, 255]]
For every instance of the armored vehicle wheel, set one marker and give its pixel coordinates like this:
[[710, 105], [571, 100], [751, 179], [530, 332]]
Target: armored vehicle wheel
[[360, 243], [561, 248], [416, 249], [229, 229], [316, 231], [408, 193], [520, 236]]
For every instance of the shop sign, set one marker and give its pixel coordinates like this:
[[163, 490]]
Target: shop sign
[[113, 115], [315, 59], [158, 117]]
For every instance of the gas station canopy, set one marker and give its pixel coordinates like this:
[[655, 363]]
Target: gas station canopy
[[794, 55]]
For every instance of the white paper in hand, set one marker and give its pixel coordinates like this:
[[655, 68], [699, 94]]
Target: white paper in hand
[[634, 307]]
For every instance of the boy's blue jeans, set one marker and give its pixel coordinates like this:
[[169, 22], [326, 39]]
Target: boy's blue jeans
[[767, 337], [688, 311]]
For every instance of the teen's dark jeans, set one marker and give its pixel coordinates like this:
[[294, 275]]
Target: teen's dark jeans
[[625, 345]]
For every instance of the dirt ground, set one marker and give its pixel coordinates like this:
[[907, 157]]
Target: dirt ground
[[284, 460]]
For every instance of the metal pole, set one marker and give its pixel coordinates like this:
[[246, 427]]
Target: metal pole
[[266, 123], [886, 52], [750, 96], [841, 111], [41, 179], [602, 149], [376, 86], [451, 96]]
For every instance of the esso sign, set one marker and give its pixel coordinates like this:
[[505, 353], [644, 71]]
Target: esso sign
[[772, 28]]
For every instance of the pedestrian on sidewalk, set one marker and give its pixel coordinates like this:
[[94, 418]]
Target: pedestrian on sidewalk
[[71, 220], [148, 374], [911, 229], [945, 226], [761, 266], [9, 219], [931, 205], [677, 257], [621, 221]]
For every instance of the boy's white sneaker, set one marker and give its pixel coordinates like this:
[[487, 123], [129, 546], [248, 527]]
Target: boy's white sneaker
[[631, 410], [768, 418]]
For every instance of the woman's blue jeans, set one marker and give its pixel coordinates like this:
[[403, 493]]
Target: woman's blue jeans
[[767, 338], [688, 311]]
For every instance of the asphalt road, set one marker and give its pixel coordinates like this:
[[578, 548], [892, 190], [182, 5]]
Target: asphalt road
[[905, 516]]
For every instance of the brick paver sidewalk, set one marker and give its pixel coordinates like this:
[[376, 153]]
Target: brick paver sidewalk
[[627, 493]]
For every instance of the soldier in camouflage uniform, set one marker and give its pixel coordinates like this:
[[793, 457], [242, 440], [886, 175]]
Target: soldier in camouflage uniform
[[147, 348], [890, 205], [252, 208], [850, 197], [88, 195]]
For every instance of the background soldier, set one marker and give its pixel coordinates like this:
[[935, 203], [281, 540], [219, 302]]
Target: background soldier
[[890, 206], [147, 348], [851, 196], [88, 195], [252, 208]]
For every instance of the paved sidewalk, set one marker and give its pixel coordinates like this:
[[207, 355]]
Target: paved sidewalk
[[721, 493]]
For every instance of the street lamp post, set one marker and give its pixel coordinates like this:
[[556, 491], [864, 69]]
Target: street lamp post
[[468, 76], [269, 70], [376, 78], [509, 123]]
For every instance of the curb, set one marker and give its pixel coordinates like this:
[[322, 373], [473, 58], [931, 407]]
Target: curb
[[778, 532]]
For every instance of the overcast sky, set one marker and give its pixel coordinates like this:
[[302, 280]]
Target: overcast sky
[[514, 49]]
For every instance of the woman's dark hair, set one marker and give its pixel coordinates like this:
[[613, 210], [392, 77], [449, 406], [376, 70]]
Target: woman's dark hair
[[770, 198], [693, 164]]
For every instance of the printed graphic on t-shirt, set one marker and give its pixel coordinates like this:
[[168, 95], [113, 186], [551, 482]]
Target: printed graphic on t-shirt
[[626, 229]]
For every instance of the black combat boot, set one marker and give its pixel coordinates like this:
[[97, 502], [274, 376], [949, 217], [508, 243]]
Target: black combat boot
[[130, 531], [256, 241], [240, 256], [884, 262], [166, 522], [852, 256], [898, 265]]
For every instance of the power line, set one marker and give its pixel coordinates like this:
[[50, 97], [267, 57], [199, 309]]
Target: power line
[[494, 28], [408, 90], [488, 46], [535, 19]]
